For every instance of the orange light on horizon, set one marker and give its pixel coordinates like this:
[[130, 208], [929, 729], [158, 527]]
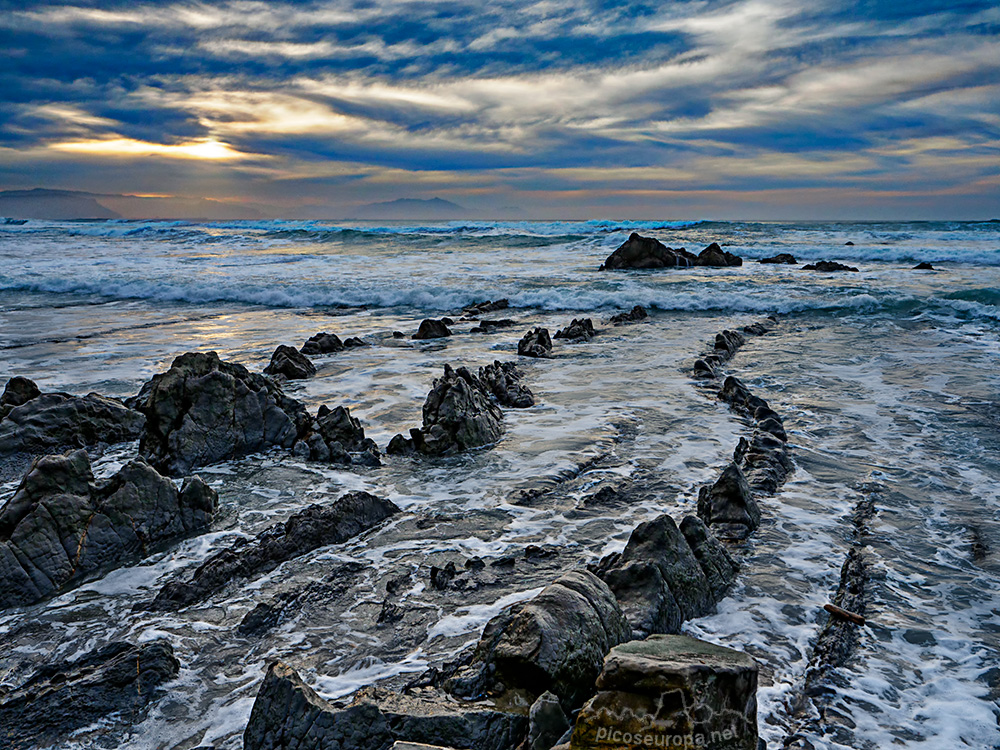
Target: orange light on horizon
[[207, 149]]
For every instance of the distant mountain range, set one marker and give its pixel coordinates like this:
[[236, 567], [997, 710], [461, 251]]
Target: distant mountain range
[[410, 208]]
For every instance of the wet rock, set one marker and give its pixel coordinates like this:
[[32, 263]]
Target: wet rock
[[398, 335], [323, 343], [309, 529], [481, 308], [288, 714], [48, 422], [728, 342], [728, 505], [578, 330], [636, 314], [756, 329], [61, 526], [735, 393], [492, 326], [203, 410], [646, 252], [389, 613], [923, 266], [657, 579], [113, 682], [786, 258], [441, 577], [703, 370], [828, 266], [503, 380], [714, 255], [671, 690], [458, 414], [291, 363], [547, 722], [555, 642], [716, 563], [334, 436], [849, 243], [353, 342], [535, 343], [432, 329]]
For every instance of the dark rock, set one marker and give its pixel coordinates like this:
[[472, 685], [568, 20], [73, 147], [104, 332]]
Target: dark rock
[[432, 329], [400, 446], [353, 342], [481, 308], [535, 343], [828, 266], [116, 681], [773, 427], [547, 722], [334, 436], [671, 686], [735, 393], [646, 252], [578, 330], [17, 392], [786, 258], [635, 314], [503, 380], [309, 529], [713, 255], [458, 414], [203, 410], [291, 363], [555, 642], [657, 579], [923, 266], [703, 370], [323, 343], [61, 526], [728, 505], [395, 584], [716, 563], [728, 342], [441, 577], [849, 243], [389, 613], [288, 715], [492, 326], [398, 335], [46, 423]]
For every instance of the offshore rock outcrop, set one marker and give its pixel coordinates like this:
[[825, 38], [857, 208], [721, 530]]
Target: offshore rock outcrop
[[433, 329], [117, 680], [309, 529], [289, 715], [323, 343], [17, 392], [290, 363], [578, 330], [728, 506], [535, 343], [504, 381], [61, 526], [780, 258], [658, 579], [646, 252], [458, 414], [204, 410], [828, 266], [714, 255], [634, 315], [555, 642]]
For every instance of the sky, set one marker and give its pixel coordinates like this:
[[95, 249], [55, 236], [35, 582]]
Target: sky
[[877, 109]]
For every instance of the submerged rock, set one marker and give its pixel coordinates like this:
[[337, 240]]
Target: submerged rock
[[289, 362], [728, 505], [923, 266], [504, 381], [492, 326], [117, 680], [578, 330], [646, 252], [828, 266], [786, 258], [289, 715], [535, 343], [458, 414], [323, 343], [637, 313], [309, 529], [555, 642], [432, 329], [657, 579], [671, 691], [713, 255], [481, 308], [353, 342], [62, 526]]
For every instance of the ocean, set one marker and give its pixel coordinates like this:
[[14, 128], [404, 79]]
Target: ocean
[[888, 381]]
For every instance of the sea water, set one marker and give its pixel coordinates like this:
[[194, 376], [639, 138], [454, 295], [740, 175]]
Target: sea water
[[887, 379]]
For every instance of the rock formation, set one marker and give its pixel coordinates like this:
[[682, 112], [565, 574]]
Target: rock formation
[[646, 252], [290, 363], [503, 379], [535, 343]]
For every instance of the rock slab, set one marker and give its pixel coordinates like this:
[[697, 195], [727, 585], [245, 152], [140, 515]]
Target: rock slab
[[675, 690]]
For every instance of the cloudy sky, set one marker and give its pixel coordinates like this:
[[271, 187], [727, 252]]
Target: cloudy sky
[[743, 109]]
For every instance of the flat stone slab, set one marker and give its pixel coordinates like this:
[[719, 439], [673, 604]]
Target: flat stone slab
[[671, 691]]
